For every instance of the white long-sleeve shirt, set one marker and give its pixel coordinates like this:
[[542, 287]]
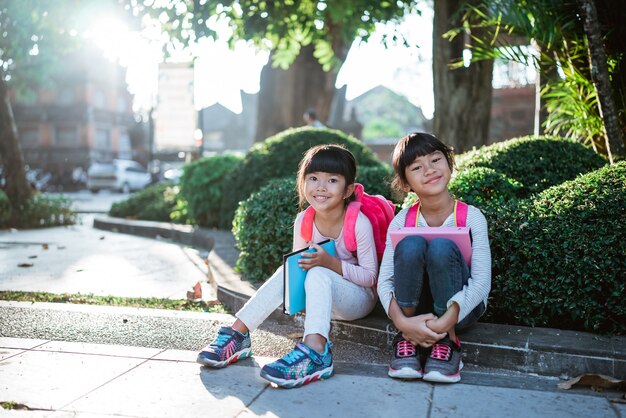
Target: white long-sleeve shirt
[[362, 269], [479, 283]]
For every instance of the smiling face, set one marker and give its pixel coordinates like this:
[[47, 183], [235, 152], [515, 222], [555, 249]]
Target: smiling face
[[326, 191], [428, 175]]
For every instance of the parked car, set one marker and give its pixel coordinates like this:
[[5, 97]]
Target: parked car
[[122, 175]]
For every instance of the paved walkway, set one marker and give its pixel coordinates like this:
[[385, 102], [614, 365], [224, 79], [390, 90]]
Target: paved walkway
[[56, 370], [63, 379]]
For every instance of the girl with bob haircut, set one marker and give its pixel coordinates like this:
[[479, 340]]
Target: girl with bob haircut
[[427, 289]]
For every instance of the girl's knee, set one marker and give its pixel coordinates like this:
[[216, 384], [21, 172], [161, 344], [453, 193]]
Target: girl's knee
[[316, 277], [441, 249], [409, 247]]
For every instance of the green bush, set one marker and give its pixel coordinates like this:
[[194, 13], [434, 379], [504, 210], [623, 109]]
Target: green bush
[[263, 228], [484, 187], [201, 187], [558, 259], [278, 157], [154, 203], [479, 186], [536, 162], [40, 211], [376, 179]]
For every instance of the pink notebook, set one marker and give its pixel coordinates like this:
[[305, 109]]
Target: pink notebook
[[459, 235]]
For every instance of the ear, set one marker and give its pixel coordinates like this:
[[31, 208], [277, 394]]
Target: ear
[[349, 190]]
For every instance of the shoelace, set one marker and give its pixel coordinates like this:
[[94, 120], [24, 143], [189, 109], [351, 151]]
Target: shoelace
[[441, 352], [405, 349], [293, 356], [222, 339]]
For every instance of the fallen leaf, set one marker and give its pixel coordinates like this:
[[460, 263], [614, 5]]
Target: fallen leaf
[[101, 238], [195, 294], [44, 246], [25, 265], [596, 381], [32, 256]]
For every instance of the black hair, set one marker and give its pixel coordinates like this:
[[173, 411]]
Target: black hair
[[310, 113], [416, 144], [326, 159]]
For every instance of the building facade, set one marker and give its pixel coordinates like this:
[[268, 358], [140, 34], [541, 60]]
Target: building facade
[[83, 115]]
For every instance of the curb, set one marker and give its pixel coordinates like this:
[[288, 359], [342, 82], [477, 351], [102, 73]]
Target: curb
[[544, 351], [184, 234]]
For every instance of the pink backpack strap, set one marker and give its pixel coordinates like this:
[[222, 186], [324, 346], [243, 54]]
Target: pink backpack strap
[[306, 228], [411, 215], [349, 222], [460, 213]]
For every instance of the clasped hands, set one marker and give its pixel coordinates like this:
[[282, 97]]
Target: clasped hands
[[425, 330]]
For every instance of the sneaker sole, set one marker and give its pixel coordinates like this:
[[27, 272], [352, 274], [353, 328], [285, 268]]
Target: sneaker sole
[[438, 377], [405, 373], [291, 383], [239, 355]]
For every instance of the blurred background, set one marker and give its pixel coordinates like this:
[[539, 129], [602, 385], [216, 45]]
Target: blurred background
[[98, 81]]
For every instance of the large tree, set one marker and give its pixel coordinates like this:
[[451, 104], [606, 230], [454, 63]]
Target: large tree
[[462, 92], [309, 40], [36, 34], [587, 101]]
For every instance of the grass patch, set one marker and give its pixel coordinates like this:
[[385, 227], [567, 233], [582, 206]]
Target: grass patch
[[89, 299]]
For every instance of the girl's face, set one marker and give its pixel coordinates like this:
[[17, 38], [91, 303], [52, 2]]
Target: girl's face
[[326, 191], [428, 175]]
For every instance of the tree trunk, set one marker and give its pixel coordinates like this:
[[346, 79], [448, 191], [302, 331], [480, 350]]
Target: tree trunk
[[546, 74], [462, 96], [601, 80], [286, 94], [16, 187]]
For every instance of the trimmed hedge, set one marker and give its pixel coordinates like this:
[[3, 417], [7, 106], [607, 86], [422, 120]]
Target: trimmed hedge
[[484, 187], [201, 187], [263, 228], [376, 179], [536, 162], [278, 157], [154, 203], [40, 211], [559, 258], [479, 186]]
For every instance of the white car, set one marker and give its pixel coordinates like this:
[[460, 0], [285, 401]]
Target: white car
[[122, 175]]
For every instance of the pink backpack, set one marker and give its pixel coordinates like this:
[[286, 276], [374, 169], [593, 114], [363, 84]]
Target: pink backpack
[[378, 210], [460, 214]]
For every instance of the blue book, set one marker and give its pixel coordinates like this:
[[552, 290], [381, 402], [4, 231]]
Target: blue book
[[294, 296]]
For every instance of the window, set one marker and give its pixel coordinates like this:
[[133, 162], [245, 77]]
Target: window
[[66, 96], [103, 139], [99, 99], [66, 136], [29, 137]]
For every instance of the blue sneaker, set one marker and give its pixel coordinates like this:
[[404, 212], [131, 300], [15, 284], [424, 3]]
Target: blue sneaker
[[228, 347], [301, 366]]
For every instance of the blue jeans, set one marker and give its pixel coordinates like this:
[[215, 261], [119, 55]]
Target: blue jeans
[[428, 275]]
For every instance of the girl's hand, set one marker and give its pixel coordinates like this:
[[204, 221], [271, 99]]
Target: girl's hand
[[319, 257], [415, 330]]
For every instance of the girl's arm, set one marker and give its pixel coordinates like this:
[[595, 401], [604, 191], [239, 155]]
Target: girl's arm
[[479, 284], [385, 275]]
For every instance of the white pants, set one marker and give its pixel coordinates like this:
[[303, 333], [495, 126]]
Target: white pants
[[328, 296]]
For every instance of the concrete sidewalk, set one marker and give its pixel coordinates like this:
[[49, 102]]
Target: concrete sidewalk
[[62, 379], [52, 360], [543, 351]]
